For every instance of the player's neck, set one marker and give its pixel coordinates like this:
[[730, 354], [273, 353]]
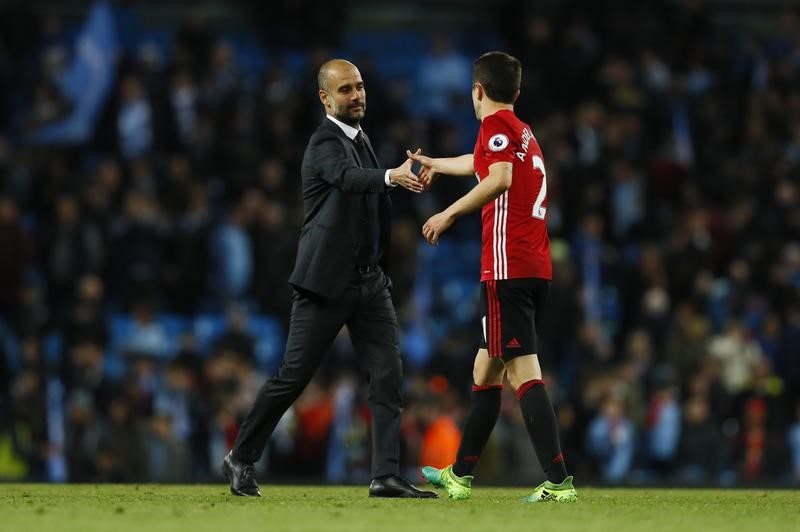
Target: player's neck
[[488, 108]]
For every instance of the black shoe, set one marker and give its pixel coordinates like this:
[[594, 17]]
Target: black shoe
[[241, 476], [395, 486]]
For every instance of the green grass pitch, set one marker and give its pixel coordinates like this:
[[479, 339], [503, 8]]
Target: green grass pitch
[[145, 508]]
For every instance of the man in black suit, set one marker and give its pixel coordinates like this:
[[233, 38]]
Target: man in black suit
[[339, 279]]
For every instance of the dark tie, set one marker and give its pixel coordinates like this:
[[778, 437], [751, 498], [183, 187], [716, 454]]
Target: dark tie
[[359, 138]]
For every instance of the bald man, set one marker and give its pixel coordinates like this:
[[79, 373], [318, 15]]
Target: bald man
[[339, 279]]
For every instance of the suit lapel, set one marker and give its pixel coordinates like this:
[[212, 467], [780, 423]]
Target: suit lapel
[[350, 145], [327, 123]]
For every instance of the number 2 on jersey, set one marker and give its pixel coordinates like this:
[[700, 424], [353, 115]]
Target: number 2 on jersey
[[538, 210]]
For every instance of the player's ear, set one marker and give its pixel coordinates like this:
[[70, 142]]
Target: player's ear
[[516, 95], [479, 91]]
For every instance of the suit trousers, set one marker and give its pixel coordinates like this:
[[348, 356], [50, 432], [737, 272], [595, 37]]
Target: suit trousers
[[366, 308]]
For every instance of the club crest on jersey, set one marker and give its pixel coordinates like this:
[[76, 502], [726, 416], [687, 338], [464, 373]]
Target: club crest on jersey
[[498, 142]]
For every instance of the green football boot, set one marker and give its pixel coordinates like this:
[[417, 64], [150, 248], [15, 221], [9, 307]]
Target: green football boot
[[456, 487], [549, 492]]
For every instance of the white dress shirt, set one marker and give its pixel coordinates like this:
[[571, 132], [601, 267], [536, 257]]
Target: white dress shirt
[[351, 133]]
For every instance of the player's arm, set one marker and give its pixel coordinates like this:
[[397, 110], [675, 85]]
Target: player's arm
[[462, 165], [495, 184]]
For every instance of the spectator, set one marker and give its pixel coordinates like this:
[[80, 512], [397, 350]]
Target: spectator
[[82, 436], [686, 343], [48, 106], [441, 438], [738, 357], [627, 198], [146, 336], [29, 432], [86, 319], [184, 96], [16, 245], [789, 347], [136, 239], [168, 457], [443, 74], [756, 450], [232, 251], [664, 428], [122, 455], [236, 340], [314, 410], [348, 451], [273, 238], [71, 247], [794, 445], [135, 120], [82, 370], [611, 441], [186, 252], [700, 444]]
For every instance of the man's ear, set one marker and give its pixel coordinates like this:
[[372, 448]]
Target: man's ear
[[516, 95], [480, 93], [323, 97]]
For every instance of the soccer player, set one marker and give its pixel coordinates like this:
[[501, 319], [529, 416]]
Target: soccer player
[[515, 276]]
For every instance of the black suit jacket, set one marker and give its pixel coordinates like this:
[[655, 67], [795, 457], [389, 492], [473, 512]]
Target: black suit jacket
[[333, 184]]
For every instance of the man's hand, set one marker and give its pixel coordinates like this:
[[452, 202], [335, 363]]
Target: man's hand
[[435, 226], [427, 173], [405, 177]]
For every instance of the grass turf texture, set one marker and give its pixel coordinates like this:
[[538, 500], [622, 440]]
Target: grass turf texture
[[86, 508]]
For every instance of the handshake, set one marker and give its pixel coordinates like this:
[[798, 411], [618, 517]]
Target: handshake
[[405, 177]]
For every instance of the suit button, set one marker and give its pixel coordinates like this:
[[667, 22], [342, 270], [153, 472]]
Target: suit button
[[363, 221]]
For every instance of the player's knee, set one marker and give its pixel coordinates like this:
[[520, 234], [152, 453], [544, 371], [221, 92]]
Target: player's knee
[[515, 380], [523, 370], [484, 377]]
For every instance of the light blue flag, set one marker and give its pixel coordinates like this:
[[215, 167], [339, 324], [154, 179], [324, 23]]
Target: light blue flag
[[88, 79]]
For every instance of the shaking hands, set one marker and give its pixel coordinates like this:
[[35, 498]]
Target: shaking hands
[[426, 171], [404, 176]]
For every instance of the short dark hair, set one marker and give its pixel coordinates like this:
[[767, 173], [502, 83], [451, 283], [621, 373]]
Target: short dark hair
[[500, 74]]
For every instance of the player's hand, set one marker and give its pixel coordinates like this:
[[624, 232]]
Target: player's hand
[[404, 176], [427, 173], [435, 226], [426, 177]]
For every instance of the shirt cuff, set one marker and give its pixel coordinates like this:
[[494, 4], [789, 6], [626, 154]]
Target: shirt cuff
[[387, 181]]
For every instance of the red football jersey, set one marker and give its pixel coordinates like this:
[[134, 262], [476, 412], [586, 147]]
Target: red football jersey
[[515, 241]]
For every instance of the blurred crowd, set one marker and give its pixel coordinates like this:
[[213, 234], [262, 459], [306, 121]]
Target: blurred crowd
[[143, 270]]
